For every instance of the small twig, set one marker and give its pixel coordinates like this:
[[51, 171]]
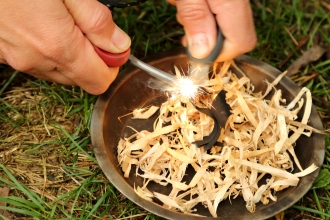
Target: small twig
[[76, 181], [45, 175], [8, 152], [19, 89], [291, 36], [307, 79], [257, 3], [313, 217], [132, 216], [326, 5], [44, 122], [298, 47], [37, 139]]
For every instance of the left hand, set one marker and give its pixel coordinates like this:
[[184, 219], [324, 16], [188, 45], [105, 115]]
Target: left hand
[[200, 17]]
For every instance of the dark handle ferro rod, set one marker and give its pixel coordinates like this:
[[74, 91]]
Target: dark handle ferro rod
[[199, 68], [209, 60], [157, 73], [111, 4]]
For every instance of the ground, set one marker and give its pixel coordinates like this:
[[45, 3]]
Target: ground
[[46, 158]]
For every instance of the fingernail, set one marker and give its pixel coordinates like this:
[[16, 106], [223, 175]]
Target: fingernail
[[199, 46], [120, 39]]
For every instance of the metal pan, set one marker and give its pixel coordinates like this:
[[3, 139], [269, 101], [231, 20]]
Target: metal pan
[[130, 91]]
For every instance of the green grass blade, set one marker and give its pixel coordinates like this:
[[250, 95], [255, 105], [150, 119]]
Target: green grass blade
[[18, 202], [99, 202], [22, 211], [3, 217], [6, 183], [324, 198], [83, 209], [75, 110], [86, 112], [8, 82], [76, 144], [52, 213], [76, 199], [317, 202], [35, 199], [311, 210]]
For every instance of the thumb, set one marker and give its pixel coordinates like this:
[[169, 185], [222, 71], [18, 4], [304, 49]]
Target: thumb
[[199, 25], [95, 21]]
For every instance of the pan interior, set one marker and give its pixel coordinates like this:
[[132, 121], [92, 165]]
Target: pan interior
[[131, 91]]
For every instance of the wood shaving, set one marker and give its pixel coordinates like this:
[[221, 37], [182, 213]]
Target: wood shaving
[[144, 113], [256, 142]]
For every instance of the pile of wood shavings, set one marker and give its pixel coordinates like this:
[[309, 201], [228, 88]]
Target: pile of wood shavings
[[256, 142]]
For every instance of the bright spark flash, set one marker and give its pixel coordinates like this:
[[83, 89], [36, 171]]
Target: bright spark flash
[[187, 88], [180, 87], [184, 88]]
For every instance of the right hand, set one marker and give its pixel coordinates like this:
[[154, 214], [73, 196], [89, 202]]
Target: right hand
[[52, 40]]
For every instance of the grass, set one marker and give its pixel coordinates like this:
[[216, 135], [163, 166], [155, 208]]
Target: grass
[[46, 156]]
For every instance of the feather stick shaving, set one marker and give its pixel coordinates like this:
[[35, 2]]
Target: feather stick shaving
[[255, 142]]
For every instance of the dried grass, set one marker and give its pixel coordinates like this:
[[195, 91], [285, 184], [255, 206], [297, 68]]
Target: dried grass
[[36, 152]]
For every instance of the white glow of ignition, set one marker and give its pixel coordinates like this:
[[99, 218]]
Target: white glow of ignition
[[187, 88]]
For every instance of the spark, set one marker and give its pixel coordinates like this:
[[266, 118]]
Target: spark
[[187, 88], [184, 88]]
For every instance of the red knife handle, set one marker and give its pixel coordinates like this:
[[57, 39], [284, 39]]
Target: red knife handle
[[113, 59]]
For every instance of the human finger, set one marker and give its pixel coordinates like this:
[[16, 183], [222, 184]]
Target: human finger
[[54, 76], [95, 21], [199, 25], [88, 70], [2, 59], [236, 23], [172, 2]]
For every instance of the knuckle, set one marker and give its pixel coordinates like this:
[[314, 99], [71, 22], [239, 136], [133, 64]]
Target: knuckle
[[106, 83], [100, 19], [253, 42], [97, 90], [191, 13], [99, 84], [19, 62], [53, 51], [2, 58], [216, 5], [22, 66], [60, 47], [249, 44]]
